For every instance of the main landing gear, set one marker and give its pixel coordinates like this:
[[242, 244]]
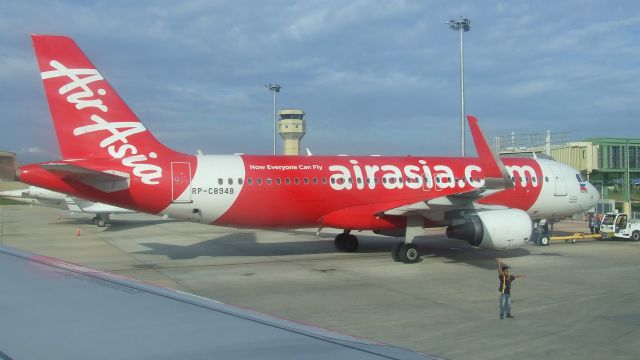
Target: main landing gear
[[101, 220], [406, 252]]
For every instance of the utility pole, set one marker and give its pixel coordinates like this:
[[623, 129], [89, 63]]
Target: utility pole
[[462, 25], [276, 89]]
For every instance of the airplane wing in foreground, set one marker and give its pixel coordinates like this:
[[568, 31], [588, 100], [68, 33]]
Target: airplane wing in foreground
[[57, 310]]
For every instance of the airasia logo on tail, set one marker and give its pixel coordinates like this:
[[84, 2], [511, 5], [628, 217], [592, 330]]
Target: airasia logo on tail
[[79, 94]]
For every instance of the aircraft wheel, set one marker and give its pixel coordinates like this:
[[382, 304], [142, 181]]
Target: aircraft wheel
[[409, 254], [101, 223], [544, 241], [351, 243], [635, 236], [339, 242], [395, 252]]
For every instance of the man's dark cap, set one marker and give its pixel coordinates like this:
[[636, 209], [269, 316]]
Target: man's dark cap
[[506, 267]]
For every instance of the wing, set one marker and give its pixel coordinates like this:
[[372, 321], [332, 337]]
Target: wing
[[496, 179], [99, 208], [58, 310]]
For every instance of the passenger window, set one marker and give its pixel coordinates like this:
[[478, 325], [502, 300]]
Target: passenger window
[[287, 181], [324, 181], [220, 181], [297, 181], [359, 180], [376, 180], [333, 180], [278, 181], [315, 180], [239, 181], [230, 181], [546, 179], [259, 181], [268, 181], [350, 180], [249, 181], [306, 180]]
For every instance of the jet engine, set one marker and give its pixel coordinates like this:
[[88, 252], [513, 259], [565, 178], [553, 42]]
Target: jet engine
[[494, 229]]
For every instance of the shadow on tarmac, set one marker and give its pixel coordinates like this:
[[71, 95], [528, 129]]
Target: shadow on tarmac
[[116, 225], [245, 244]]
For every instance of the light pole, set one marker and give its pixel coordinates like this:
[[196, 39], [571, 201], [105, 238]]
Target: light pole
[[461, 26], [276, 89]]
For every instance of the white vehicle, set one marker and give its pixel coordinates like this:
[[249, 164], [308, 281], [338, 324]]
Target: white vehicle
[[619, 225]]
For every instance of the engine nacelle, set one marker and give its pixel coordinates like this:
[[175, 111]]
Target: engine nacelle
[[494, 229]]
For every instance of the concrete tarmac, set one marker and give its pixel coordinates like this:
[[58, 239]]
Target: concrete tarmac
[[579, 301]]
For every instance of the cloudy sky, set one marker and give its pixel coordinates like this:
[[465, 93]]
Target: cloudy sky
[[374, 77]]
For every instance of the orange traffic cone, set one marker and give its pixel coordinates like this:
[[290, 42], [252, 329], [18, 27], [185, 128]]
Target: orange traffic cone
[[78, 232]]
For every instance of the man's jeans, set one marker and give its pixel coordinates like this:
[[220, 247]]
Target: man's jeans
[[504, 303]]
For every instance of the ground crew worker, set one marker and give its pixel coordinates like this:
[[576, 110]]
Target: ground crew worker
[[593, 224], [504, 290]]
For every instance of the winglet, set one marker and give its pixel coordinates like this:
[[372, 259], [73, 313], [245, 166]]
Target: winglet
[[497, 176]]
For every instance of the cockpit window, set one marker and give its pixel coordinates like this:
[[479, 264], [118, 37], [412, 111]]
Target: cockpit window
[[579, 177]]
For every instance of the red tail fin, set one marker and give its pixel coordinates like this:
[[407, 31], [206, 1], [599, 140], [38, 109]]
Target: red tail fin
[[90, 119]]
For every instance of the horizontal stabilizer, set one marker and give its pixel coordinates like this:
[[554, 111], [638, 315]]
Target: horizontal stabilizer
[[106, 181]]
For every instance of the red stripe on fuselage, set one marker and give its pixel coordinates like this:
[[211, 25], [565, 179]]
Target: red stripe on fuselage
[[303, 202]]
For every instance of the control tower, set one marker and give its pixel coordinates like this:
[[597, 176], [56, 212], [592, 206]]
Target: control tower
[[291, 128]]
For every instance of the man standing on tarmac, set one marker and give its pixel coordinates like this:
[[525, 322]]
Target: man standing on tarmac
[[504, 291]]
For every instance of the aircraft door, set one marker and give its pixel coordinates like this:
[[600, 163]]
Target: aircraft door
[[180, 181], [559, 180]]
